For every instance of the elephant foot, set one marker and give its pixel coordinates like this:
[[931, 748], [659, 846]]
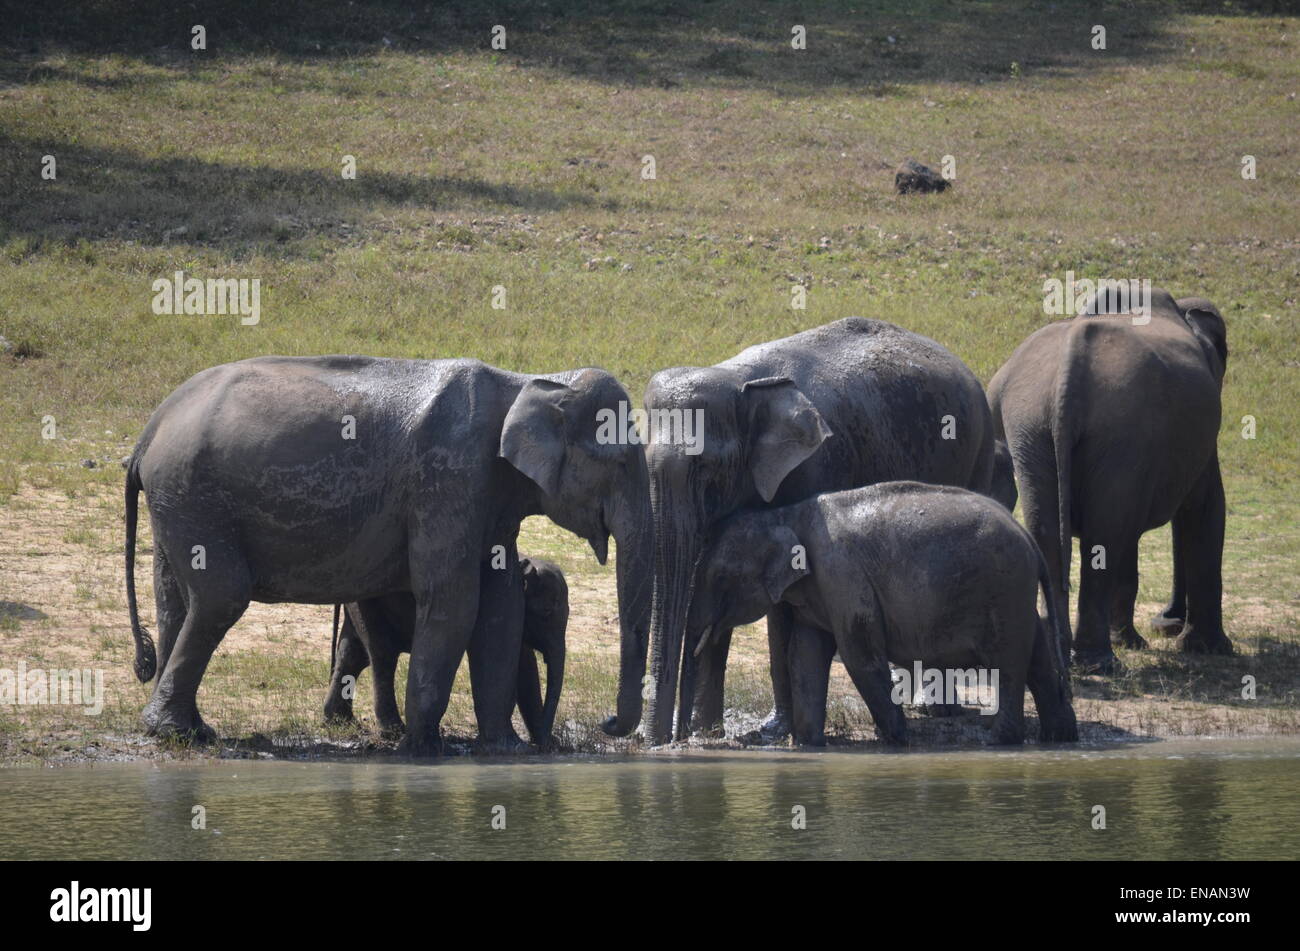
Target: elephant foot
[[612, 727], [173, 725], [1130, 638], [508, 745], [1097, 661], [425, 747], [1167, 625], [809, 743], [392, 729], [339, 711], [775, 728], [1190, 641]]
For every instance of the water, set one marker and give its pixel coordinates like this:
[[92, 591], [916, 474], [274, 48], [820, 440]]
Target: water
[[1206, 799]]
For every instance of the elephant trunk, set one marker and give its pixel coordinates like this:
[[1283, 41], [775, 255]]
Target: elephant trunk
[[631, 527], [677, 548]]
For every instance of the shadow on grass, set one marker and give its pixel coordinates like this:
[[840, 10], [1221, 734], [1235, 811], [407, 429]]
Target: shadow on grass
[[103, 193], [627, 42]]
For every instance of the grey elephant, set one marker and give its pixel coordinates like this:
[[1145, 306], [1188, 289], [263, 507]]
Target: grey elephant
[[895, 572], [1112, 421], [375, 632], [322, 480], [1004, 476], [847, 404]]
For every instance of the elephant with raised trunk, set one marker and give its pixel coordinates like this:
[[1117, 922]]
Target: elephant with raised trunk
[[844, 405], [895, 572], [1113, 421], [375, 632], [325, 480]]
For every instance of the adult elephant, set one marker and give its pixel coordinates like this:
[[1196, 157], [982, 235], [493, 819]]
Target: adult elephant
[[840, 406], [334, 479], [1112, 421]]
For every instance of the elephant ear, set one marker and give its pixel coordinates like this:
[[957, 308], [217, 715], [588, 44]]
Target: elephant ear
[[784, 568], [785, 429], [532, 437], [1204, 318]]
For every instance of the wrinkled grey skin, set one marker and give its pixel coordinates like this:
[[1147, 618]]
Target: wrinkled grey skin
[[1004, 476], [1113, 428], [899, 572], [375, 632], [248, 460], [848, 404]]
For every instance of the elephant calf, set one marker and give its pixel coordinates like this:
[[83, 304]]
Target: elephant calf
[[376, 631], [897, 571]]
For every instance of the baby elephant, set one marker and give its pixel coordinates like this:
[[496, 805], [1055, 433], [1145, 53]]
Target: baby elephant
[[376, 631], [901, 572]]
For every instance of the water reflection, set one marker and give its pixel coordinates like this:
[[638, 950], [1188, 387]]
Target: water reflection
[[1208, 799]]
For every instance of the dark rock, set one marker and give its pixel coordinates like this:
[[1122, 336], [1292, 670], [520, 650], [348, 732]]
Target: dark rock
[[912, 176], [89, 463]]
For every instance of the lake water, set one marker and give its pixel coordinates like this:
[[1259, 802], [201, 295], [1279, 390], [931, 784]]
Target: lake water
[[1206, 799]]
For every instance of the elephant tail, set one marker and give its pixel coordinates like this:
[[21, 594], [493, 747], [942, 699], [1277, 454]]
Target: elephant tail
[[1063, 442], [146, 657]]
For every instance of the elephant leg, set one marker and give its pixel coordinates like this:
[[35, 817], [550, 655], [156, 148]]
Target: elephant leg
[[1038, 505], [1009, 721], [169, 605], [778, 722], [870, 675], [1169, 622], [1201, 520], [528, 690], [494, 654], [1092, 650], [710, 689], [350, 659], [1046, 681], [211, 611], [383, 645], [444, 623], [1124, 586], [810, 653]]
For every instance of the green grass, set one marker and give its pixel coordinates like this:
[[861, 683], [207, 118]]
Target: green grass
[[522, 168]]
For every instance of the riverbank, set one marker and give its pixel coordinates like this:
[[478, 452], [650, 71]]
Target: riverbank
[[62, 606]]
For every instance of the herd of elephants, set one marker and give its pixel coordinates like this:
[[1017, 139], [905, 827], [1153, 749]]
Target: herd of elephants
[[853, 483]]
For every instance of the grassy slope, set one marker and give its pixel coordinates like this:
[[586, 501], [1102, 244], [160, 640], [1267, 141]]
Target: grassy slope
[[522, 168]]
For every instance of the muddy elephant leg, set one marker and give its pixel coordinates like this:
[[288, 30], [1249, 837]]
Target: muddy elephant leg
[[1124, 586], [444, 623], [218, 597], [1202, 522], [169, 604], [778, 722], [383, 644], [350, 659], [810, 653], [709, 693], [1092, 650], [494, 652], [1170, 621]]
